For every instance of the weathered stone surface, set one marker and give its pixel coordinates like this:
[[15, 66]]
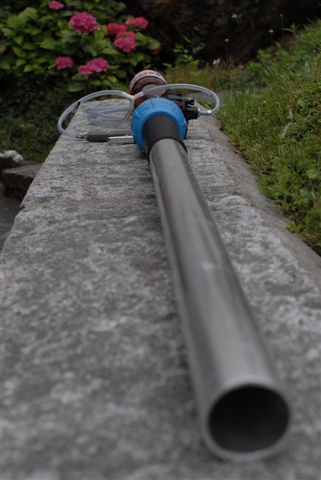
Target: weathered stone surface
[[96, 382], [18, 180], [245, 23]]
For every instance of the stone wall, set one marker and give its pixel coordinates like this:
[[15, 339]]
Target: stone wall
[[96, 383]]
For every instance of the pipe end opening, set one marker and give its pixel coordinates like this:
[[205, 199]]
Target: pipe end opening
[[248, 420]]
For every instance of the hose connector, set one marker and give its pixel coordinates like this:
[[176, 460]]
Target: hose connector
[[173, 125]]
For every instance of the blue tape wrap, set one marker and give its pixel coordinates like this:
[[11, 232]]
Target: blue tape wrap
[[151, 108]]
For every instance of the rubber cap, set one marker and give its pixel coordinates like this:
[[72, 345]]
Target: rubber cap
[[151, 108]]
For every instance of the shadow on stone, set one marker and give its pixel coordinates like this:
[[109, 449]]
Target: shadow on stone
[[16, 176]]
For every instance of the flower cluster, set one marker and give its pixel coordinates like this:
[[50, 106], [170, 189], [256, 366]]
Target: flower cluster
[[63, 62], [83, 22], [125, 43], [138, 22], [54, 5], [76, 46], [125, 39], [115, 28], [94, 66]]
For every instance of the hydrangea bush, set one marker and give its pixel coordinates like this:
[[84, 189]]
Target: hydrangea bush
[[89, 43]]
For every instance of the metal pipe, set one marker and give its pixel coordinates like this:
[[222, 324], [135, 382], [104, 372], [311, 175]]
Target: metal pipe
[[242, 406]]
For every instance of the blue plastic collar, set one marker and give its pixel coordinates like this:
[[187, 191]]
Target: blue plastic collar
[[151, 108]]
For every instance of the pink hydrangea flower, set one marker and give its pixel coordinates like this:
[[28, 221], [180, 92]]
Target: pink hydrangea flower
[[85, 70], [63, 62], [94, 66], [138, 22], [98, 65], [83, 22], [125, 34], [115, 28], [54, 5], [126, 44]]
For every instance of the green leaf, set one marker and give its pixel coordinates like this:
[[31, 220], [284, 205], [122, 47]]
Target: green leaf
[[99, 82], [138, 57], [313, 174], [141, 39], [32, 30], [28, 13], [45, 59], [112, 78], [118, 72], [7, 32], [285, 131], [18, 39], [153, 43], [19, 52], [50, 44], [4, 64], [67, 36], [91, 50], [301, 103], [28, 68], [76, 87], [132, 60], [110, 51], [29, 46], [20, 62], [13, 21]]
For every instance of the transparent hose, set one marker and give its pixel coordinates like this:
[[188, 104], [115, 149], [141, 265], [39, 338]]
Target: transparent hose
[[124, 111], [91, 96], [152, 92]]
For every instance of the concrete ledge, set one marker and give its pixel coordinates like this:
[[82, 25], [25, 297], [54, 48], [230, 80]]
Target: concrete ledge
[[95, 374]]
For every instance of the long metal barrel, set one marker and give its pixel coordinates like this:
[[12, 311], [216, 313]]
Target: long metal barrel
[[242, 407]]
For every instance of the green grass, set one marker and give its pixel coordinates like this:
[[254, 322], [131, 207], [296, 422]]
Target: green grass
[[278, 129], [272, 112], [273, 115]]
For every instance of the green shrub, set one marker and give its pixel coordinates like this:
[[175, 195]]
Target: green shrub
[[66, 42], [276, 62], [29, 115]]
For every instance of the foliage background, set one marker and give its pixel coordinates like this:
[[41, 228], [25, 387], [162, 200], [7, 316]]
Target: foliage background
[[32, 39], [33, 92]]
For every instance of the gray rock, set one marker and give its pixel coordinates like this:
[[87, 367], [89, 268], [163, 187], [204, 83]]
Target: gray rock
[[10, 159], [17, 180], [96, 382]]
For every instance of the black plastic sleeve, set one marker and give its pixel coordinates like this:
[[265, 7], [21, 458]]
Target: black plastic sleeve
[[159, 127]]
